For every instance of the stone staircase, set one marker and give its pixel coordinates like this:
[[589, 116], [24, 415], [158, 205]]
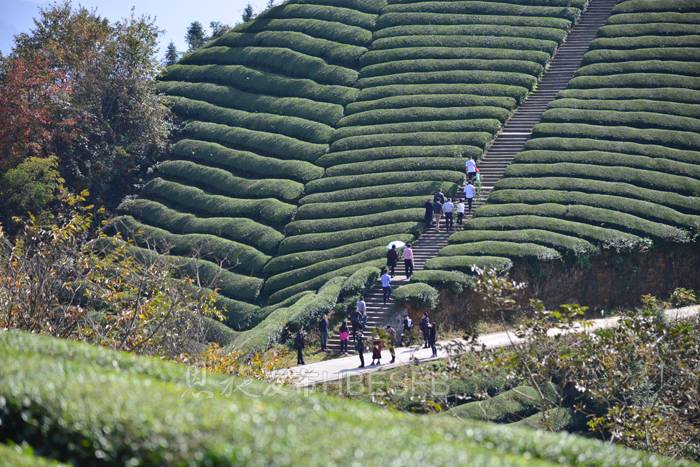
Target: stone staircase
[[509, 142]]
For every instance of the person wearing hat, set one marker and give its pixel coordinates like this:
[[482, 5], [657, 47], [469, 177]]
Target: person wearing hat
[[391, 333]]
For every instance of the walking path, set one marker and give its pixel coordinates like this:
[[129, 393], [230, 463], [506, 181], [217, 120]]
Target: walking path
[[347, 367], [510, 141]]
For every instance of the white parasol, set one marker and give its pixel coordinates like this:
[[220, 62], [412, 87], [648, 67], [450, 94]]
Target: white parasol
[[397, 243]]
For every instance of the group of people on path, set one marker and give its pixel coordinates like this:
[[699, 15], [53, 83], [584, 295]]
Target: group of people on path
[[441, 205]]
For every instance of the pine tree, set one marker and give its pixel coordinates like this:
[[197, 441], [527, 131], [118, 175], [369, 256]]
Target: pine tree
[[218, 29], [248, 13], [195, 35], [171, 54], [270, 4]]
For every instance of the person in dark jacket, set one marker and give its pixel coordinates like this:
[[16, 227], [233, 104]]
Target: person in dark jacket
[[432, 337], [424, 323], [391, 341], [323, 331], [428, 218], [392, 256], [360, 347], [299, 345]]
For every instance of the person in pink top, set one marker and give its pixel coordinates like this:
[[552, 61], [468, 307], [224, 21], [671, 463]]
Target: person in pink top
[[408, 260]]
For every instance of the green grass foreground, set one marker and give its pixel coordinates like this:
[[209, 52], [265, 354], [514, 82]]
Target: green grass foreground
[[89, 405]]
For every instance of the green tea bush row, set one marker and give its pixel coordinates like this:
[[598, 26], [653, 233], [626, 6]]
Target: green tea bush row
[[437, 52], [389, 19], [651, 17], [319, 113], [436, 101], [651, 53], [221, 182], [509, 406], [589, 214], [642, 66], [611, 159], [501, 248], [636, 80], [332, 52], [688, 96], [329, 30], [643, 209], [244, 162], [454, 281], [431, 65], [466, 263], [638, 6], [351, 17], [293, 127], [424, 114], [340, 223], [419, 295], [488, 41], [360, 207], [556, 419], [561, 242], [486, 89], [633, 119], [320, 241], [365, 6], [674, 139], [389, 165], [281, 61], [240, 229], [549, 34], [282, 263], [449, 77], [648, 29], [329, 183], [270, 211], [369, 155], [478, 139], [674, 200], [271, 144], [484, 8], [457, 125], [396, 189], [635, 105], [624, 147], [518, 2], [641, 42], [231, 255], [358, 282]]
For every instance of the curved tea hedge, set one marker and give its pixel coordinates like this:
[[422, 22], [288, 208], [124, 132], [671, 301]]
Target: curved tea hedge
[[616, 161]]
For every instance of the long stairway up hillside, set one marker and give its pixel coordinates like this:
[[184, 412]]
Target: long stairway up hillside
[[503, 149]]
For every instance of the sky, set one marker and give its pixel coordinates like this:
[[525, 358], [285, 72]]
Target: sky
[[173, 16]]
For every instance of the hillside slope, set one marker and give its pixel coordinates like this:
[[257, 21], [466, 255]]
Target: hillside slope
[[92, 406]]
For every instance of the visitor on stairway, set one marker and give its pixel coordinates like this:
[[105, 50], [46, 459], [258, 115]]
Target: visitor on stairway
[[437, 214], [323, 332], [469, 193], [460, 212], [299, 345], [356, 315], [407, 333], [408, 260], [428, 218], [448, 208], [432, 337], [344, 335], [470, 168], [360, 347], [386, 285], [391, 341], [376, 350], [392, 256], [439, 196], [424, 322]]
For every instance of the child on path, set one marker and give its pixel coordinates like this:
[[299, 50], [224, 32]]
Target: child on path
[[377, 350], [344, 337]]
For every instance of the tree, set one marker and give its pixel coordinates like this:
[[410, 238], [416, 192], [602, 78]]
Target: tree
[[270, 4], [218, 29], [30, 186], [248, 13], [195, 35], [171, 54]]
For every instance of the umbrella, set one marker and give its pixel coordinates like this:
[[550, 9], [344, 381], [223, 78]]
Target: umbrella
[[397, 243]]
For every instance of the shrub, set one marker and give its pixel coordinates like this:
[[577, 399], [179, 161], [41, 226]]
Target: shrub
[[332, 31], [388, 19], [555, 419], [243, 162], [569, 244], [637, 6], [443, 126], [641, 42], [220, 181], [427, 65], [281, 61], [454, 281], [359, 207], [358, 282], [335, 158], [299, 259], [651, 53], [487, 89], [642, 66], [414, 114], [335, 224], [550, 34], [409, 164], [439, 101], [367, 6], [266, 143], [501, 248], [321, 241], [637, 119], [636, 105], [24, 456], [467, 263], [293, 127], [484, 8], [330, 183], [269, 211], [478, 139], [683, 297], [647, 17], [330, 51], [418, 295], [448, 77], [488, 41], [335, 13], [396, 189], [636, 80]]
